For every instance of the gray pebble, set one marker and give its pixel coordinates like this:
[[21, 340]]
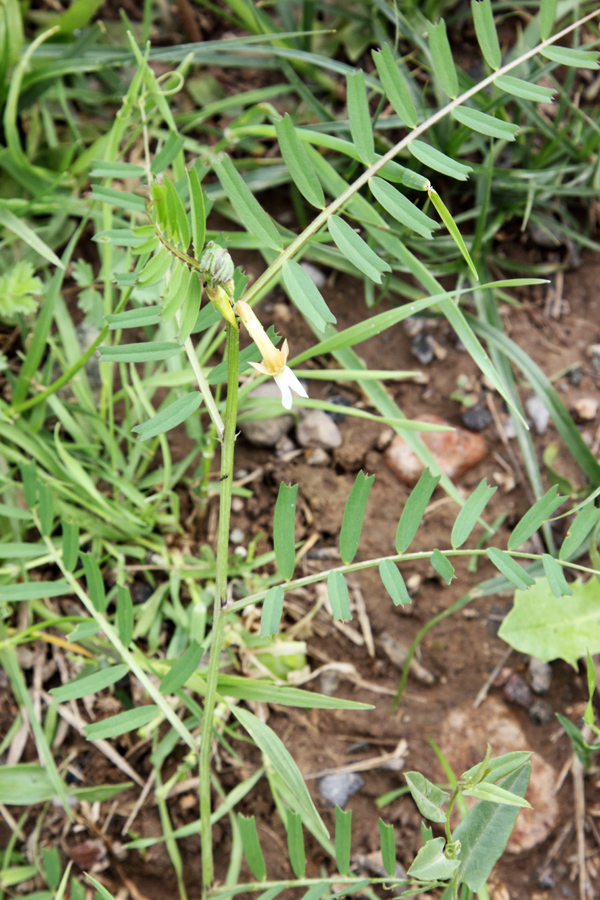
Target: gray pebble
[[317, 429], [236, 536], [422, 348], [476, 418], [538, 413], [539, 675], [337, 789], [541, 712], [266, 432]]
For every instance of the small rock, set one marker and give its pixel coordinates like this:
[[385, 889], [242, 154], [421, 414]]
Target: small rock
[[317, 457], [384, 438], [593, 351], [339, 400], [266, 432], [422, 347], [337, 789], [539, 675], [576, 376], [318, 278], [329, 681], [412, 326], [284, 446], [476, 418], [516, 690], [541, 712], [237, 504], [538, 413], [586, 409], [236, 536], [317, 429], [454, 452]]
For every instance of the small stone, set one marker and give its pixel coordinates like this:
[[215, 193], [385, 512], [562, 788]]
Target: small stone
[[454, 452], [517, 691], [576, 376], [412, 326], [539, 675], [586, 409], [339, 400], [337, 789], [538, 413], [317, 429], [236, 536], [318, 278], [237, 504], [593, 351], [266, 432], [329, 681], [317, 457], [541, 712], [385, 438], [476, 418], [422, 347]]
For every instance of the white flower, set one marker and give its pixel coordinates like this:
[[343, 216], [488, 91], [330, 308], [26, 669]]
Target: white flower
[[274, 360]]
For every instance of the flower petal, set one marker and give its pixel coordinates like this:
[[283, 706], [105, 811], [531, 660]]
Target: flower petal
[[261, 368], [282, 384], [294, 383]]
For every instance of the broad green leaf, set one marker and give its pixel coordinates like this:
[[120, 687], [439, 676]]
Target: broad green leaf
[[579, 529], [305, 294], [25, 785], [94, 581], [134, 353], [485, 830], [354, 514], [500, 766], [173, 415], [547, 17], [388, 847], [393, 582], [394, 85], [438, 161], [510, 568], [197, 212], [361, 127], [295, 838], [124, 615], [90, 684], [272, 609], [77, 16], [453, 229], [431, 864], [441, 59], [428, 796], [135, 318], [343, 839], [485, 30], [442, 566], [540, 512], [470, 513], [483, 123], [251, 844], [106, 168], [272, 747], [284, 525], [401, 208], [52, 866], [337, 592], [70, 545], [190, 308], [550, 627], [13, 223], [177, 676], [298, 162], [495, 794], [519, 88], [179, 227], [566, 56], [556, 576], [356, 250], [120, 199], [415, 509], [121, 723], [246, 205], [34, 590]]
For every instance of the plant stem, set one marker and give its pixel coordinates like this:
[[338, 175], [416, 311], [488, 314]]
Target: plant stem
[[218, 625]]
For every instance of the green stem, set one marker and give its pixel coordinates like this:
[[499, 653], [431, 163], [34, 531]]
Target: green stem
[[218, 629]]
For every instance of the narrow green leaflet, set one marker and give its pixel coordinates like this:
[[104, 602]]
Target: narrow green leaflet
[[246, 205], [428, 796], [284, 525], [438, 161], [106, 168], [295, 838], [134, 353], [337, 592], [46, 509], [470, 513], [121, 723], [388, 847], [135, 318], [441, 59], [500, 766], [496, 794], [124, 615], [453, 229], [547, 17], [306, 295], [354, 514], [167, 153], [431, 863], [271, 612], [394, 85], [120, 199], [298, 162], [156, 269], [393, 582], [190, 308], [94, 581], [179, 673], [523, 89], [20, 550], [566, 56], [510, 568], [556, 576], [442, 566], [401, 208], [251, 844], [90, 684], [272, 747], [25, 784], [343, 839], [34, 590], [540, 512], [70, 545], [580, 528], [485, 830], [356, 250], [177, 289], [485, 30], [414, 510], [179, 227], [484, 123], [13, 223], [361, 127], [174, 414], [263, 691], [197, 212]]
